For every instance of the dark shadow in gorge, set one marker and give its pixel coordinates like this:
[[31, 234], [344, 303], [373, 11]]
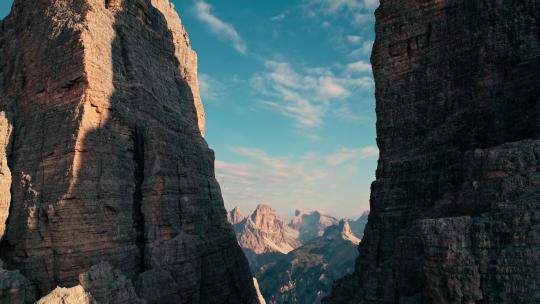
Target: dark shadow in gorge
[[145, 198]]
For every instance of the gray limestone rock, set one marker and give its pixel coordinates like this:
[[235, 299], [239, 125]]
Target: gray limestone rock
[[455, 209], [102, 151]]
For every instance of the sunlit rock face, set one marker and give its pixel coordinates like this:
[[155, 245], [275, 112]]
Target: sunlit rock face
[[455, 209], [265, 232], [102, 155]]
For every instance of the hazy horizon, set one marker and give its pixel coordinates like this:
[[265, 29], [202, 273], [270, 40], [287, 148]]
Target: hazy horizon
[[289, 98]]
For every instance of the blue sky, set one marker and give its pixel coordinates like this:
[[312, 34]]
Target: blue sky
[[289, 98]]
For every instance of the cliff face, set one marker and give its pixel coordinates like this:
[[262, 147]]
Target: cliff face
[[102, 157], [455, 209]]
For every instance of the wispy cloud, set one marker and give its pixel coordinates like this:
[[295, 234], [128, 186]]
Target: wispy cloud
[[359, 66], [344, 113], [345, 155], [339, 7], [329, 7], [371, 4], [363, 51], [282, 180], [279, 168], [280, 17], [306, 94], [210, 88], [345, 16], [353, 39], [223, 30], [260, 177], [362, 18]]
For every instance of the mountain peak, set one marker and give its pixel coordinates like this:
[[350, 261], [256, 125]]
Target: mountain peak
[[235, 216], [264, 208], [265, 216], [265, 231], [344, 227], [341, 230]]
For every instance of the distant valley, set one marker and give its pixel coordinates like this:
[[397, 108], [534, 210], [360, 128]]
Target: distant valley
[[297, 262]]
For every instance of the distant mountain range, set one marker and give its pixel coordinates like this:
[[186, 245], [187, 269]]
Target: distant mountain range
[[297, 262], [312, 224]]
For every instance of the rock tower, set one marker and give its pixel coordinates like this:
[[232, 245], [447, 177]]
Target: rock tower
[[455, 209], [105, 177]]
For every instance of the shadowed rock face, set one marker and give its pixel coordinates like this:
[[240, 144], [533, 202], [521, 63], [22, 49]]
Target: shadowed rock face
[[455, 209], [14, 287], [102, 157]]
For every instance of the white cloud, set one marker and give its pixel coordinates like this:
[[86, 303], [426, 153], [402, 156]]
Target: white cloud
[[333, 6], [362, 18], [210, 88], [329, 87], [314, 8], [279, 168], [222, 29], [366, 47], [364, 83], [365, 50], [306, 94], [354, 39], [279, 17], [260, 177], [359, 66], [306, 114], [371, 4]]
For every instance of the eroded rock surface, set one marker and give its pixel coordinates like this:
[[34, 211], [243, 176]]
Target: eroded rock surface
[[455, 209], [102, 150], [73, 295], [15, 288], [101, 284]]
